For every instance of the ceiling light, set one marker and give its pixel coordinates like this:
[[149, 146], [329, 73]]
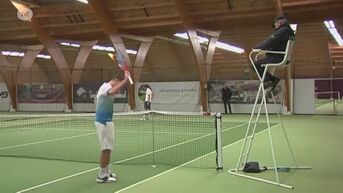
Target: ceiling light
[[98, 47], [330, 25], [65, 44], [21, 54], [83, 1], [219, 44], [75, 45]]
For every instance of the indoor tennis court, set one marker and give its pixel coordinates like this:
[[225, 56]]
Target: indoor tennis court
[[50, 175], [179, 96]]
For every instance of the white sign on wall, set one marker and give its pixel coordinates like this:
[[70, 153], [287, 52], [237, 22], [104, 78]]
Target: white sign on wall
[[169, 92], [4, 98]]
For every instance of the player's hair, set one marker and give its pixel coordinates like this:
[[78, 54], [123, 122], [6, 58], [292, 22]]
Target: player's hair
[[118, 76]]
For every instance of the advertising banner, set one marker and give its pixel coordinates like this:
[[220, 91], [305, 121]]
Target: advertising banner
[[41, 93], [327, 89], [170, 92], [4, 97], [243, 91], [86, 92]]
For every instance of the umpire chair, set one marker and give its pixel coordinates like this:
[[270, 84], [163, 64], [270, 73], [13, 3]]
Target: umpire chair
[[260, 102]]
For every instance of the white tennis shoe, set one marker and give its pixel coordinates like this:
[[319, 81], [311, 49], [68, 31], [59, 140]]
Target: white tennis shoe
[[107, 179], [113, 176]]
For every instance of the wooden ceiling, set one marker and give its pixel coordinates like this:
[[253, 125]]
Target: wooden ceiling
[[243, 23], [70, 19]]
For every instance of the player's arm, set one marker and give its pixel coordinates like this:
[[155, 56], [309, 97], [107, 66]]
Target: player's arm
[[118, 86]]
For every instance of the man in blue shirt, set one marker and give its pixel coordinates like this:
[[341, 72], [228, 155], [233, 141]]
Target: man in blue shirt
[[104, 124]]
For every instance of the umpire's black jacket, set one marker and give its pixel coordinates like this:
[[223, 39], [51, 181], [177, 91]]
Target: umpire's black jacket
[[277, 41]]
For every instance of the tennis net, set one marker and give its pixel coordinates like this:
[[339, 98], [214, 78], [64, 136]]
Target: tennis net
[[151, 137]]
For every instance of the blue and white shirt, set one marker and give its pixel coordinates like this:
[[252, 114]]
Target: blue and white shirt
[[104, 104]]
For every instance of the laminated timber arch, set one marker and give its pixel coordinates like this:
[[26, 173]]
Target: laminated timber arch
[[113, 34], [10, 72], [204, 66]]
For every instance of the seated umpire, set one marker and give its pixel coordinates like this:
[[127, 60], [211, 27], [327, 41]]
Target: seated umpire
[[276, 42]]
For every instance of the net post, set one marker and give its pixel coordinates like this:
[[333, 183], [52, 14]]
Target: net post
[[153, 137], [219, 148]]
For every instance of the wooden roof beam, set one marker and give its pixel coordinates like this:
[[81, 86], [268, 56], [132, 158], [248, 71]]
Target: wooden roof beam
[[109, 28], [8, 29], [211, 33], [138, 38], [203, 2], [137, 68], [16, 47], [139, 7], [63, 9], [234, 17], [155, 18], [49, 43], [64, 25], [314, 7], [80, 62], [141, 54], [214, 36], [29, 58], [17, 37], [8, 74], [204, 66], [56, 55], [140, 59], [308, 2], [278, 6], [112, 32], [210, 52], [248, 11], [52, 13]]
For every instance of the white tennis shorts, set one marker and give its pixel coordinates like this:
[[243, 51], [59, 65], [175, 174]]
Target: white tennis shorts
[[106, 135]]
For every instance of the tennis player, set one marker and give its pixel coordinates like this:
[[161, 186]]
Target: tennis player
[[148, 98], [104, 124], [147, 102]]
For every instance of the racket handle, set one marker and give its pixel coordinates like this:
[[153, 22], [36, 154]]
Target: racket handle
[[130, 80]]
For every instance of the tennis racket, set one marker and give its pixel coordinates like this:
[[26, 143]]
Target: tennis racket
[[123, 66]]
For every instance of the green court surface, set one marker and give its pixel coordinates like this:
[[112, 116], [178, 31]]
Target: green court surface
[[316, 141], [327, 107]]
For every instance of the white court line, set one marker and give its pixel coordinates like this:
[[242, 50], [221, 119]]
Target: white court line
[[90, 170], [57, 180], [160, 174], [162, 132], [322, 106], [46, 141], [87, 134], [328, 115]]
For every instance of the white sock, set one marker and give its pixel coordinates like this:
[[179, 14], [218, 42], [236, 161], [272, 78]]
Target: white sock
[[108, 169], [102, 172]]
